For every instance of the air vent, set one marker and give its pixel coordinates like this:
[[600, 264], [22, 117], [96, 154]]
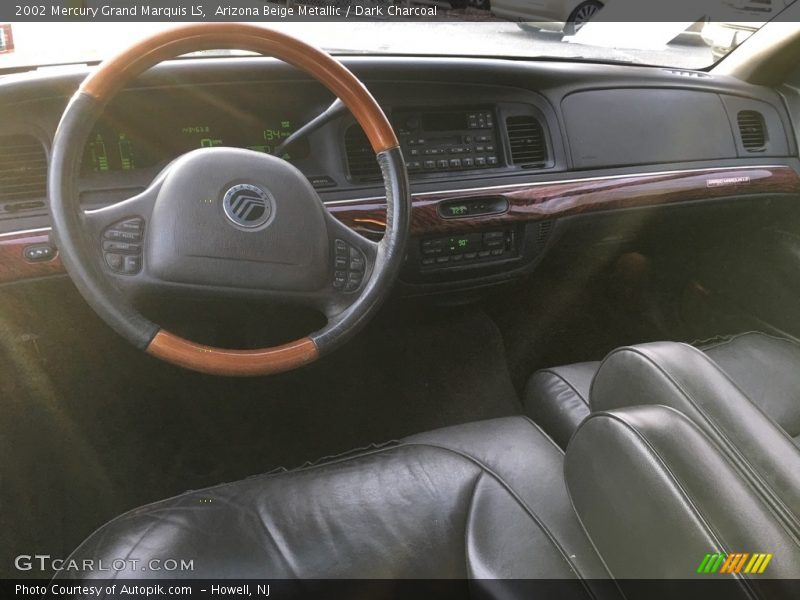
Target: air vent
[[23, 173], [752, 130], [543, 234], [688, 73], [526, 137], [361, 159]]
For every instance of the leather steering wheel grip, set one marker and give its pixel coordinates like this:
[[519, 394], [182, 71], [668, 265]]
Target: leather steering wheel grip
[[77, 249]]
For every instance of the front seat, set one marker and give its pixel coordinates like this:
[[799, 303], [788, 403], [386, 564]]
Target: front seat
[[481, 500], [733, 411], [766, 368]]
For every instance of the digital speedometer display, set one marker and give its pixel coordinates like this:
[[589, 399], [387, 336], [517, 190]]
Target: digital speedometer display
[[130, 137]]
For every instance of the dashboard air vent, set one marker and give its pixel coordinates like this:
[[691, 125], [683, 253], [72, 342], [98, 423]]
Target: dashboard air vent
[[526, 137], [361, 159], [752, 130], [23, 170]]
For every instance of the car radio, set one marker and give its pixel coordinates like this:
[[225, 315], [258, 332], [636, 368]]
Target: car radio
[[441, 141]]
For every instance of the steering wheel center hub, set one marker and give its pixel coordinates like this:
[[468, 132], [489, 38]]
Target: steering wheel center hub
[[236, 218]]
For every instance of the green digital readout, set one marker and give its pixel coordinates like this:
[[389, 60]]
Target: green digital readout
[[464, 243], [126, 157], [112, 148], [457, 210], [99, 156]]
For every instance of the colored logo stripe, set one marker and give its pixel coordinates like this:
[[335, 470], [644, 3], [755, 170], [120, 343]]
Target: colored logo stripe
[[736, 562]]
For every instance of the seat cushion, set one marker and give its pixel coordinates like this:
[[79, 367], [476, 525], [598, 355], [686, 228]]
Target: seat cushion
[[766, 368], [484, 500]]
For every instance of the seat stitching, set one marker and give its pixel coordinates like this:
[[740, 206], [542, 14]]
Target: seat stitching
[[567, 383], [744, 464], [673, 479]]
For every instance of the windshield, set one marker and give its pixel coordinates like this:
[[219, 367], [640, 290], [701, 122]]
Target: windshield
[[505, 28]]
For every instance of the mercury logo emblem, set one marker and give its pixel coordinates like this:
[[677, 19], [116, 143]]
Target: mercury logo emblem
[[247, 206]]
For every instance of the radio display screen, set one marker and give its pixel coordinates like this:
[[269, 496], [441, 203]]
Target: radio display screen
[[444, 121]]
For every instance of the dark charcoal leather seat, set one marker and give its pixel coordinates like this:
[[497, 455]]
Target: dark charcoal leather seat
[[495, 501], [765, 368], [482, 500]]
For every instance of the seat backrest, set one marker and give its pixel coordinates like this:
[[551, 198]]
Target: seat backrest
[[656, 495], [682, 377]]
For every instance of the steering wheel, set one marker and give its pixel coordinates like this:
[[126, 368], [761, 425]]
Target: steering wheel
[[226, 221]]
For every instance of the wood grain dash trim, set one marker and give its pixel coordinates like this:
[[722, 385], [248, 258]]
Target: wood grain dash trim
[[541, 201], [13, 264]]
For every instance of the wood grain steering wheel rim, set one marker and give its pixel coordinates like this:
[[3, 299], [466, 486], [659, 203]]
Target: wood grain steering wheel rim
[[75, 244]]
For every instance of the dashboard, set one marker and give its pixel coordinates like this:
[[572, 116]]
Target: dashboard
[[504, 157]]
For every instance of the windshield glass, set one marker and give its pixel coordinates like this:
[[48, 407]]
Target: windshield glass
[[505, 28]]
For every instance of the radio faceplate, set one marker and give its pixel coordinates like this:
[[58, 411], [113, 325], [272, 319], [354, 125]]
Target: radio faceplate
[[443, 141]]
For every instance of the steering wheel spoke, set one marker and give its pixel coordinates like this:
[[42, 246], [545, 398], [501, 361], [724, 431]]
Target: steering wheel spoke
[[352, 262], [119, 231]]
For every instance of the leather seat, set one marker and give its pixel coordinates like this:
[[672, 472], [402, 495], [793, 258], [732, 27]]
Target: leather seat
[[482, 500], [764, 367], [495, 501]]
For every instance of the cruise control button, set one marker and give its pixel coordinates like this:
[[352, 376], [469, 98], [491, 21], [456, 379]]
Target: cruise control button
[[123, 235], [132, 264], [115, 261], [357, 264], [121, 247], [131, 225], [340, 262]]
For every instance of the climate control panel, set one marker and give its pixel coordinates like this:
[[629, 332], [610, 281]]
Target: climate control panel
[[466, 249]]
